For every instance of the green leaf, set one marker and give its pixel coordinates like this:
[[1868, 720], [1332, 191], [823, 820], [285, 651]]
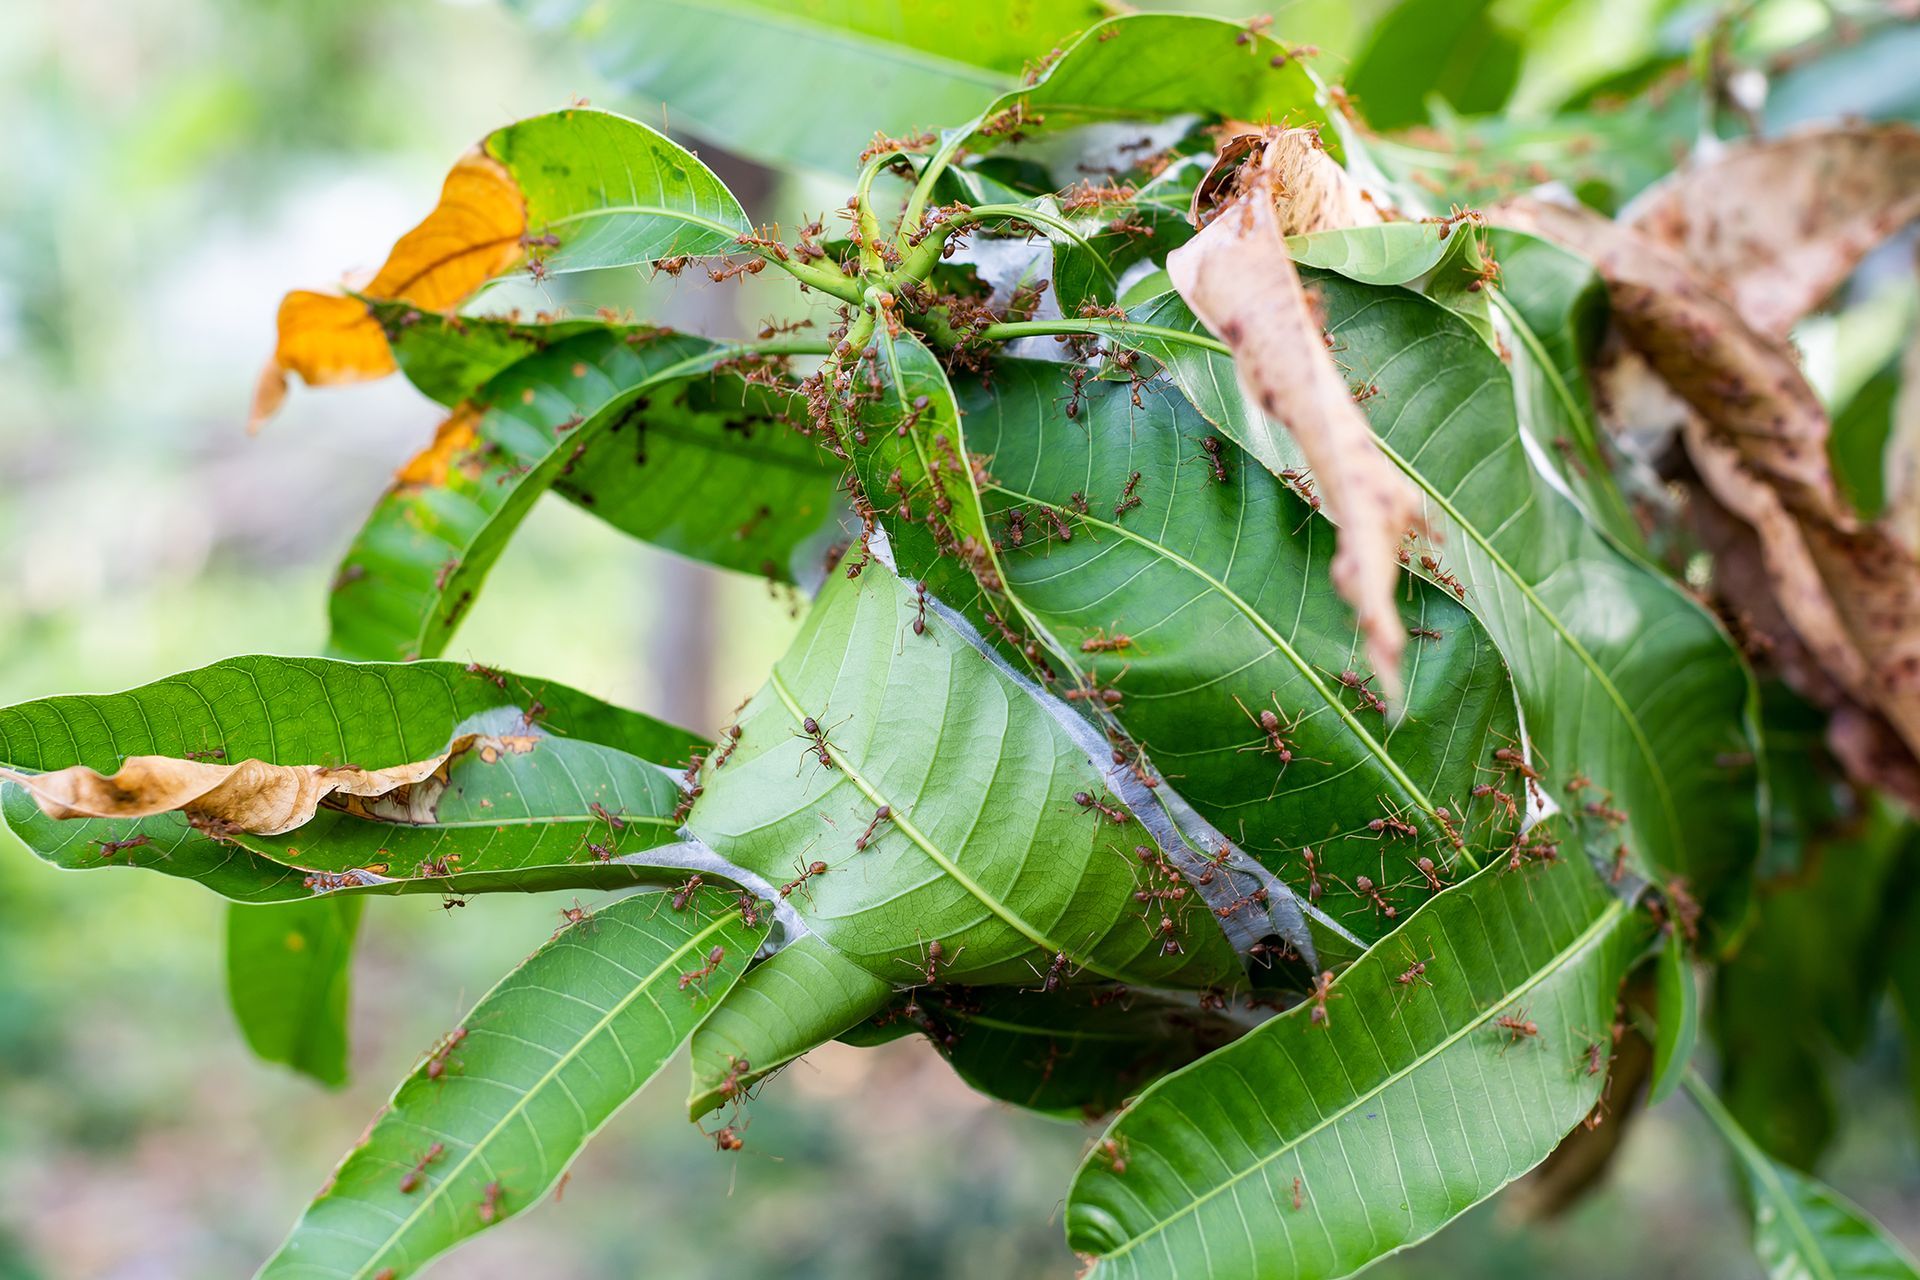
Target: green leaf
[[632, 424], [1224, 596], [1802, 1228], [520, 821], [807, 84], [1679, 1018], [795, 1000], [1451, 49], [449, 357], [288, 978], [985, 851], [1077, 1053], [1405, 1106], [1622, 678], [1841, 905], [613, 192], [1555, 307], [496, 1112], [1139, 67]]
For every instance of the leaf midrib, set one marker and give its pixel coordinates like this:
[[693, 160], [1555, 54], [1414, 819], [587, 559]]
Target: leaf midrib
[[645, 985], [1119, 330], [905, 825], [1614, 910], [1279, 643]]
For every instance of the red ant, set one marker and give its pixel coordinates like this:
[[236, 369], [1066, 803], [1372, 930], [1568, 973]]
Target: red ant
[[1257, 898], [730, 738], [1094, 691], [1078, 377], [807, 872], [919, 623], [1620, 856], [1368, 698], [440, 1060], [211, 753], [1128, 498], [611, 819], [1215, 458], [1429, 873], [1392, 825], [736, 1067], [1270, 725], [728, 1139], [1488, 791], [1416, 970], [1596, 1056], [1114, 1152], [1426, 633], [1321, 993], [1088, 802], [1101, 642], [1510, 759], [412, 1179], [810, 729], [1253, 28], [492, 1201], [110, 847], [1364, 391], [1313, 873], [575, 914], [698, 977], [883, 814], [1298, 1199], [935, 956], [1431, 564], [1366, 888], [1518, 1026], [1055, 976], [684, 894]]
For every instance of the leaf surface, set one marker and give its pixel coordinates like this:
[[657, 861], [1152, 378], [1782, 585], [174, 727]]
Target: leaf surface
[[1403, 1107], [498, 1109], [985, 851], [288, 979]]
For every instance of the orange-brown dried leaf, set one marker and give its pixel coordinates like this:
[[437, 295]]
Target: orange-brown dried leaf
[[454, 437], [1240, 281], [473, 235], [254, 796], [1782, 222]]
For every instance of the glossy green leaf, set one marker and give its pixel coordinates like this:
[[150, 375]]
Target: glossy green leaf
[[1139, 67], [738, 72], [449, 357], [288, 980], [1450, 49], [632, 424], [1555, 311], [985, 851], [495, 1112], [795, 1000], [1624, 681], [1802, 1228], [613, 192], [520, 821], [1311, 1148], [1223, 593], [1678, 1014]]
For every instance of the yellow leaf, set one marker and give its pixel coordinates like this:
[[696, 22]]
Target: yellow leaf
[[473, 235]]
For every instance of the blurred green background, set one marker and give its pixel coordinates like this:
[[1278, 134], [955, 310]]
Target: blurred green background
[[174, 166]]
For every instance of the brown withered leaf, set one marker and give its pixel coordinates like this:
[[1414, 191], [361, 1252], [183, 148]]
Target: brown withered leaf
[[1239, 280], [473, 234], [266, 799], [1782, 222], [1747, 386], [1690, 281]]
